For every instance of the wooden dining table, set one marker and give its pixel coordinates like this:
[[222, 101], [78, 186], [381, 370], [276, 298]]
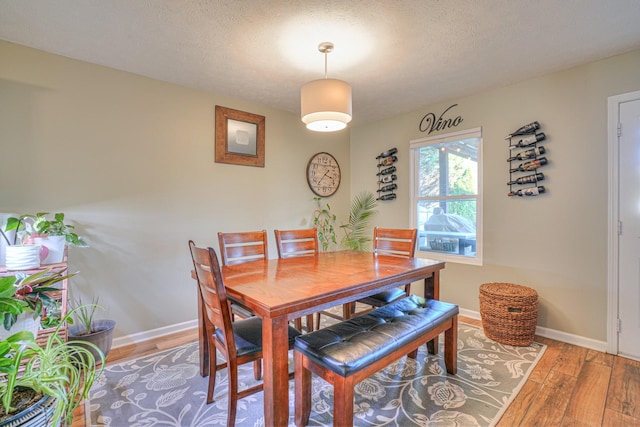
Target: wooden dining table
[[280, 290]]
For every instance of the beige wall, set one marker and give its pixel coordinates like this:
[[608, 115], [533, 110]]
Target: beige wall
[[131, 161], [555, 243]]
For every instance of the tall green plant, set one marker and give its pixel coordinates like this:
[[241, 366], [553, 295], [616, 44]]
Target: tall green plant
[[357, 230], [324, 221]]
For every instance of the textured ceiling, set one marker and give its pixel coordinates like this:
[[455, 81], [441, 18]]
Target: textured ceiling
[[399, 55]]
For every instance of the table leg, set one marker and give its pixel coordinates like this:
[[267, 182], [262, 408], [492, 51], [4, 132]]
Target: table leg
[[432, 291], [275, 356]]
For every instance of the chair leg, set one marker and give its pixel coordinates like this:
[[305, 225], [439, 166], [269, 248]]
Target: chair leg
[[213, 362], [302, 385], [348, 310], [318, 314], [232, 368], [451, 347], [343, 402], [257, 369], [297, 323], [407, 289], [309, 323]]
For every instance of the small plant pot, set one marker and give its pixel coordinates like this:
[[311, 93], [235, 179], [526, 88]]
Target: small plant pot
[[102, 338], [22, 257], [38, 413], [55, 244]]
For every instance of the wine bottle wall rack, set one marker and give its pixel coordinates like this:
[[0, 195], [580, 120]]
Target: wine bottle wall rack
[[387, 174], [526, 156]]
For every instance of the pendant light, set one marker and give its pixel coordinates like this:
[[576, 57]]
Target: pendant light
[[325, 104]]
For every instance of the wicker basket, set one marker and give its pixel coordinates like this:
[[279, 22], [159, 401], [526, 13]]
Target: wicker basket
[[509, 313]]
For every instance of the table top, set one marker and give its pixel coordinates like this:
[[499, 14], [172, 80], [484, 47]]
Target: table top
[[304, 285]]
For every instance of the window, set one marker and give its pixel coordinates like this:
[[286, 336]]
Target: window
[[446, 196]]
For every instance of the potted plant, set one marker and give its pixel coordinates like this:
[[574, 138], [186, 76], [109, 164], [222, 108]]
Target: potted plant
[[55, 235], [25, 298], [50, 233], [53, 378], [324, 221], [356, 231], [86, 329], [20, 252]]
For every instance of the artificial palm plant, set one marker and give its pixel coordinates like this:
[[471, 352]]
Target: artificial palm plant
[[357, 231]]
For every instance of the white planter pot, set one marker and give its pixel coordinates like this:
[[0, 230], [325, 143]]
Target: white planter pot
[[25, 322], [10, 235], [23, 257], [55, 244]]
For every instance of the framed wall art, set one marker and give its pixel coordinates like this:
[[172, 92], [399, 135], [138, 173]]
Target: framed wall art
[[239, 137]]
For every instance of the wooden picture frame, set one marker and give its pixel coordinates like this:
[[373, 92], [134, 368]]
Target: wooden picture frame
[[239, 137]]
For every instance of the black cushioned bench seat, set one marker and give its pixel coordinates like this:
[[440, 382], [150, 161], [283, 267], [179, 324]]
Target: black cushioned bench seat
[[347, 352]]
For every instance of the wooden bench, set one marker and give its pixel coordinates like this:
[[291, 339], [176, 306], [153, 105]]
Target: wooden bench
[[348, 352]]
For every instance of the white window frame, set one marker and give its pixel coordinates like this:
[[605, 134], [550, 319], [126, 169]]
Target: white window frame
[[414, 146]]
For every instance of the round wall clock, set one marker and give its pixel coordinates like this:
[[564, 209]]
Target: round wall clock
[[323, 174]]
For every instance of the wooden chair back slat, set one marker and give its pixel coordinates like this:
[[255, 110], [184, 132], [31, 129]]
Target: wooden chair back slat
[[395, 241], [240, 247], [292, 243], [214, 297]]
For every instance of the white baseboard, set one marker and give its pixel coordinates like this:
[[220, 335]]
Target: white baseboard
[[554, 334], [543, 332], [154, 333]]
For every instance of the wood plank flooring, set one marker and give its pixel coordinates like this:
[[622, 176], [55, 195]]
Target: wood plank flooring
[[570, 387]]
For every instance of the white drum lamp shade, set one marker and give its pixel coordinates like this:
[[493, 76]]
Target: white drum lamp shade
[[325, 105]]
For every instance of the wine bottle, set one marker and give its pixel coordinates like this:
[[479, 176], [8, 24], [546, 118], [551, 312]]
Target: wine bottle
[[387, 178], [389, 196], [528, 179], [389, 187], [529, 154], [388, 161], [387, 153], [530, 165], [532, 191], [387, 171], [528, 140], [525, 130]]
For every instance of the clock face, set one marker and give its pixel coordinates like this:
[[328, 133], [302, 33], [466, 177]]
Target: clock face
[[323, 174]]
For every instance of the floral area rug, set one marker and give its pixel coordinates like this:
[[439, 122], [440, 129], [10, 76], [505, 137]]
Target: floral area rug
[[166, 389]]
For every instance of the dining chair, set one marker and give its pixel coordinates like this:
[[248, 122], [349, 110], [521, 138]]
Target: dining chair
[[296, 243], [239, 341], [243, 246], [240, 247], [396, 242]]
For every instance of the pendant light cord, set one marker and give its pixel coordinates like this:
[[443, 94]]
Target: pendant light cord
[[325, 65]]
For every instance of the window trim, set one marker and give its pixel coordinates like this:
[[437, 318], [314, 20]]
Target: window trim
[[414, 145]]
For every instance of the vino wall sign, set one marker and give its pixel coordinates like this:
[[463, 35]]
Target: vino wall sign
[[430, 123]]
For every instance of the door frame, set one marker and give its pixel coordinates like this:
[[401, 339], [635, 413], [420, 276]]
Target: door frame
[[613, 216]]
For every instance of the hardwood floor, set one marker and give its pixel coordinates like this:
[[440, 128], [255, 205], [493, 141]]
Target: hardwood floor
[[571, 386]]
